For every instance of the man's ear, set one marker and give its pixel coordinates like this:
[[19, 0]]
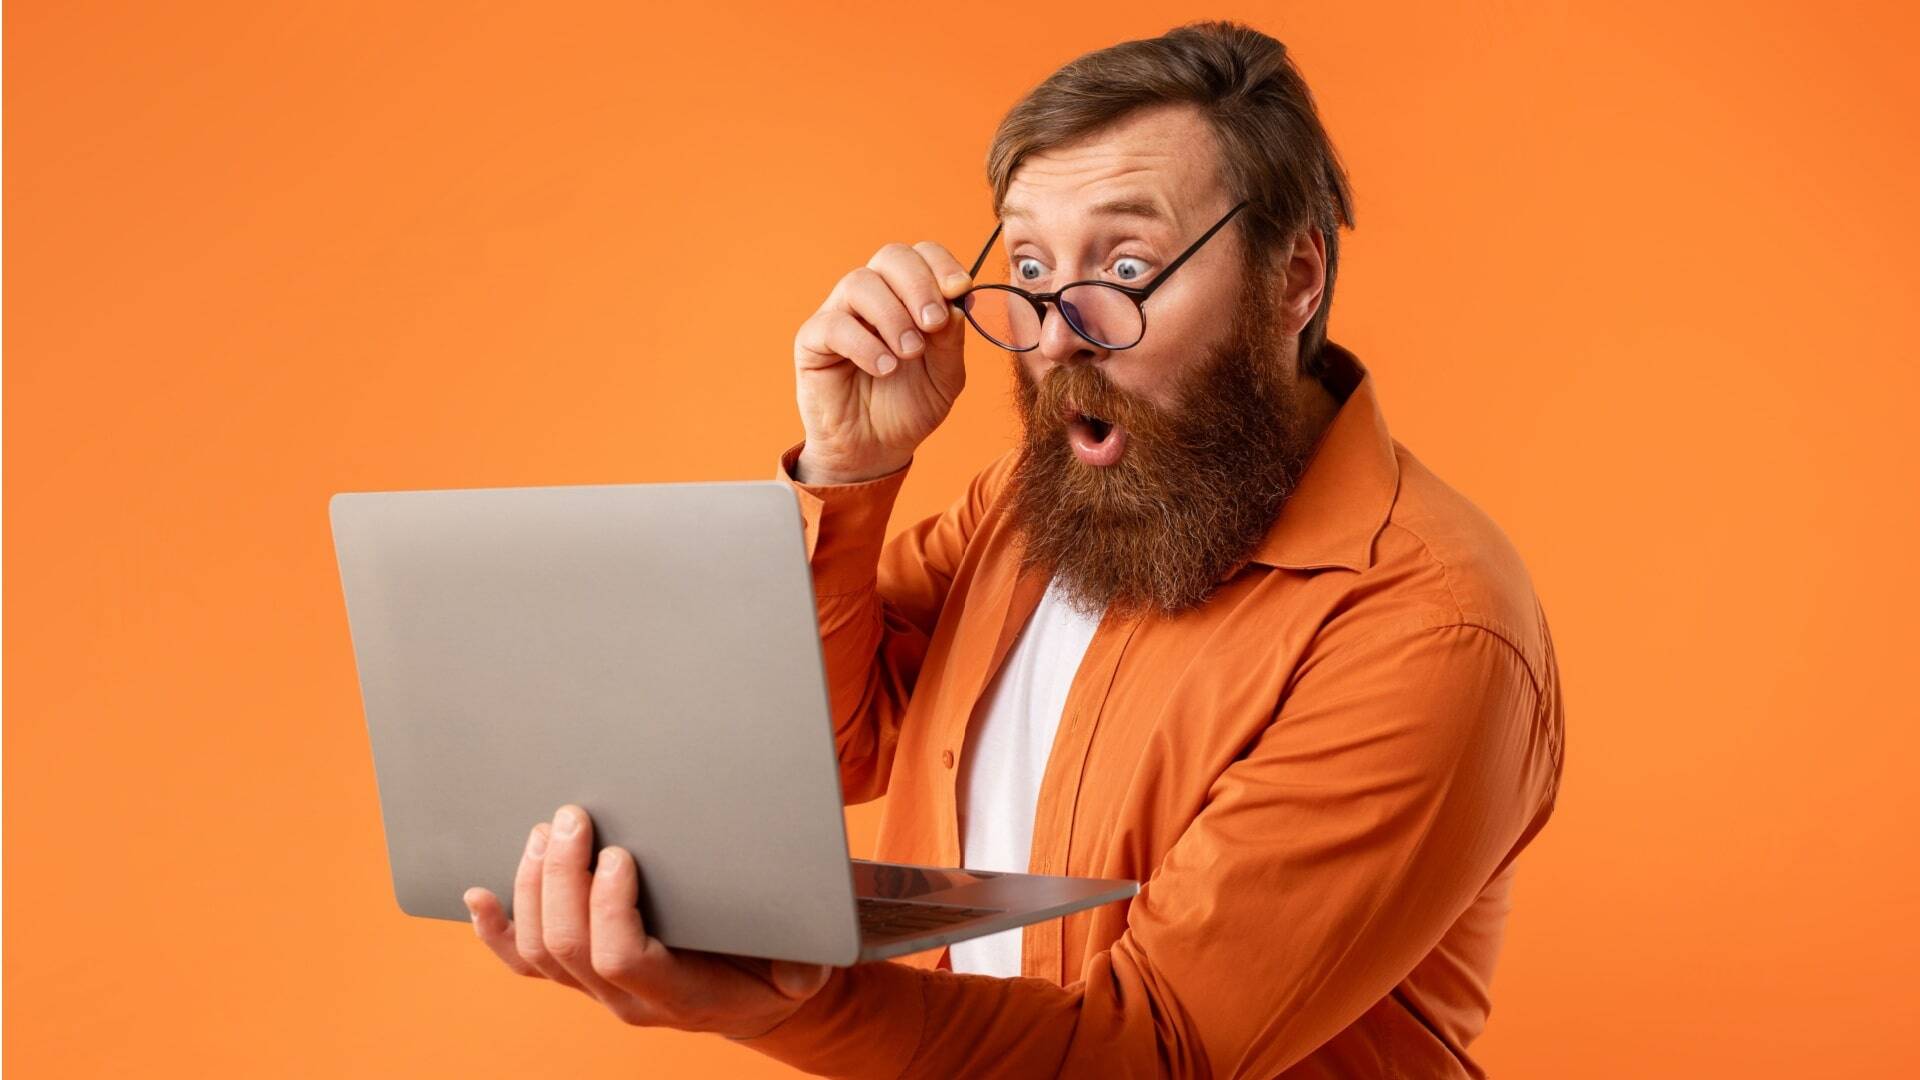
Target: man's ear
[[1304, 278]]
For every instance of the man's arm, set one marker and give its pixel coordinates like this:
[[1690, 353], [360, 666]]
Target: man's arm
[[1403, 771], [878, 601]]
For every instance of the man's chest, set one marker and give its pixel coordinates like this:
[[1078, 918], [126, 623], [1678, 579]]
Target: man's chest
[[1154, 711]]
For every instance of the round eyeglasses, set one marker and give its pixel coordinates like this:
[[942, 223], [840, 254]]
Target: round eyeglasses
[[1104, 313]]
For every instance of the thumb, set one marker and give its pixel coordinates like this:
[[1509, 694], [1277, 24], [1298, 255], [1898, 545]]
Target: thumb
[[945, 357], [953, 333], [800, 981]]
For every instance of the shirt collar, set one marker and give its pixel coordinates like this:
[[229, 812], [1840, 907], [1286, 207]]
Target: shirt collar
[[1342, 499]]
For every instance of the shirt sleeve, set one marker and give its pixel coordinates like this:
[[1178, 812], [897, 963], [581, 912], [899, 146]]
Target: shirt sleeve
[[878, 601], [1400, 774]]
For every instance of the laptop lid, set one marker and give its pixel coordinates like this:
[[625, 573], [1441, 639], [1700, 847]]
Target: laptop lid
[[648, 651]]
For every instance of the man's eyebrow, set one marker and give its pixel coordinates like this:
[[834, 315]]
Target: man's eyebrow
[[1134, 206]]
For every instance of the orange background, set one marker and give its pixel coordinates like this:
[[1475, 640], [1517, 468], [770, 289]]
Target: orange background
[[1638, 278]]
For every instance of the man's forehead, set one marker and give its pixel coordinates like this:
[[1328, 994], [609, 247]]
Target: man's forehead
[[1149, 206], [1159, 167]]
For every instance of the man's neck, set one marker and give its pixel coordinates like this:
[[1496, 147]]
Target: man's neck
[[1318, 407]]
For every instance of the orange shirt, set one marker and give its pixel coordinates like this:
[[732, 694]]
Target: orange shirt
[[1321, 778]]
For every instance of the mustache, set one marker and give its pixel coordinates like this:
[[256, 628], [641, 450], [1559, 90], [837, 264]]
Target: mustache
[[1081, 388]]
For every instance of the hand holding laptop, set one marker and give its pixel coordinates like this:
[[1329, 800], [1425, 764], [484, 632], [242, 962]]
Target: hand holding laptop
[[582, 928], [653, 651]]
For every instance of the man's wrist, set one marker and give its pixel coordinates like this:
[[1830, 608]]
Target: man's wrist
[[868, 1020], [844, 525], [809, 469], [768, 1029], [798, 1006]]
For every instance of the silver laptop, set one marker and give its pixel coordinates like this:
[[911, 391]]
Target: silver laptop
[[650, 652]]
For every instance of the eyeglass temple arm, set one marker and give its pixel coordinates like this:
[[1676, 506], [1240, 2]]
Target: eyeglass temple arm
[[988, 246], [1152, 285], [1188, 254]]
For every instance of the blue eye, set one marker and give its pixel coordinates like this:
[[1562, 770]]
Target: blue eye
[[1020, 268], [1124, 275]]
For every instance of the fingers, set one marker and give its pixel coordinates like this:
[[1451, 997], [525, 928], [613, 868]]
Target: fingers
[[797, 980], [587, 933], [565, 885], [833, 336], [869, 295], [884, 312], [914, 283], [493, 927], [623, 954], [946, 269], [528, 938]]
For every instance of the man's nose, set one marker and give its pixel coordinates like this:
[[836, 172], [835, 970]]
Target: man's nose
[[1059, 344]]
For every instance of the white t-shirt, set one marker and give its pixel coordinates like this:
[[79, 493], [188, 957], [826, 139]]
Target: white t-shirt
[[1005, 757]]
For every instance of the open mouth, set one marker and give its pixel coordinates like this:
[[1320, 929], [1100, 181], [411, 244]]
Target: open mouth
[[1096, 440], [1072, 414]]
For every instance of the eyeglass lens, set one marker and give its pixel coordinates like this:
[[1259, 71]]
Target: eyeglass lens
[[1107, 317]]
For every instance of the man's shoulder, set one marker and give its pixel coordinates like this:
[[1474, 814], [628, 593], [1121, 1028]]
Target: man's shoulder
[[1447, 558]]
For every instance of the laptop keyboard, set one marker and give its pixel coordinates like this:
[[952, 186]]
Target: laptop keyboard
[[882, 917]]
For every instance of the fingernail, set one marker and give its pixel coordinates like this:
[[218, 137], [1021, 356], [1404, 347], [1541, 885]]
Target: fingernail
[[567, 821], [537, 843], [933, 315], [954, 281], [911, 341], [609, 859], [886, 364]]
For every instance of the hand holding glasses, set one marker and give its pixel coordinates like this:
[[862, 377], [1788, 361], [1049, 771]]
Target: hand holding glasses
[[1104, 313], [878, 366]]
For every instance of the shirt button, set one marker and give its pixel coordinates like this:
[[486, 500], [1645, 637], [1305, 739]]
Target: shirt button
[[946, 758]]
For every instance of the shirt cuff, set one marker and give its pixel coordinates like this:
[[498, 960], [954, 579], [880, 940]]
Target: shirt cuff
[[865, 1022], [845, 525]]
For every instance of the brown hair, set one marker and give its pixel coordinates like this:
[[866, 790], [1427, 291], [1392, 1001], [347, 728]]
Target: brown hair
[[1274, 151]]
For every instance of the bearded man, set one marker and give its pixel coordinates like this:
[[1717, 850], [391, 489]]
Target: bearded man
[[1209, 627]]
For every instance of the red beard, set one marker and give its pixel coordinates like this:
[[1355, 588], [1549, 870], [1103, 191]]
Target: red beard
[[1196, 488]]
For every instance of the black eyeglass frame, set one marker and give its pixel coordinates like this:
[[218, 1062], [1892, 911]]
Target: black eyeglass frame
[[1136, 293]]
